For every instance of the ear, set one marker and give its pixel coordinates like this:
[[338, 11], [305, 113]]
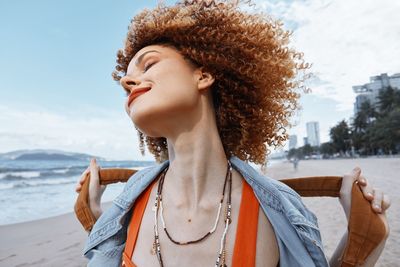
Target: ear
[[204, 78]]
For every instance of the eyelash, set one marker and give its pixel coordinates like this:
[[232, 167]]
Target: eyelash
[[149, 66]]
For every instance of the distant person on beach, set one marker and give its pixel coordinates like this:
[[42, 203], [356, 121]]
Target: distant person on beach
[[295, 163], [208, 86]]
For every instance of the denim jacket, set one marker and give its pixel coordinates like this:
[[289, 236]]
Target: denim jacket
[[296, 227]]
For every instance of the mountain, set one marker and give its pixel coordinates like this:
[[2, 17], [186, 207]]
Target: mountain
[[45, 154]]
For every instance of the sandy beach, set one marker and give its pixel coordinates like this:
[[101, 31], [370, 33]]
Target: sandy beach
[[55, 241], [59, 241]]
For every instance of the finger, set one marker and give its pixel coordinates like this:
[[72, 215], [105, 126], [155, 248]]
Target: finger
[[367, 190], [361, 180], [377, 201], [83, 177], [385, 202], [84, 174], [94, 170], [349, 179], [78, 188], [355, 173], [93, 162]]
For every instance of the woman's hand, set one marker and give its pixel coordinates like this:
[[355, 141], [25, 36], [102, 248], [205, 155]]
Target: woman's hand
[[96, 190], [380, 202]]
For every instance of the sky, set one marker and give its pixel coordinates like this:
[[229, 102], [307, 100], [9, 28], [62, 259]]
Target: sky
[[56, 59]]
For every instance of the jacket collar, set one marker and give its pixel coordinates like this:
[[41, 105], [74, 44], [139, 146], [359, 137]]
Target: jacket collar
[[140, 181]]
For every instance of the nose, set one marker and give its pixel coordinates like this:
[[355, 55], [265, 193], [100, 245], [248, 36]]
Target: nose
[[128, 82]]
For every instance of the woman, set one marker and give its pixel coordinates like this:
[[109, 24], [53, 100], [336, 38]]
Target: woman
[[208, 87]]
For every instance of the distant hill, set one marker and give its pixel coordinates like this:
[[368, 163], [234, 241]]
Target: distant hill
[[45, 154]]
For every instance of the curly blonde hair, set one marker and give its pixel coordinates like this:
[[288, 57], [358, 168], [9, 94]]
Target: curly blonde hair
[[256, 75]]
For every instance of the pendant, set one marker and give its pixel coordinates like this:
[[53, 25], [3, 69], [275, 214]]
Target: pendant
[[153, 249]]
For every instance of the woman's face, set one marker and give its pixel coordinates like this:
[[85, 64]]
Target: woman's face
[[175, 84]]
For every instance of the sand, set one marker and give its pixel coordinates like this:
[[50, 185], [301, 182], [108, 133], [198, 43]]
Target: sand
[[59, 241], [55, 241]]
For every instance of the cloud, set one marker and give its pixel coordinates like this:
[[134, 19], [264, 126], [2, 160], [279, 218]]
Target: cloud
[[102, 133], [347, 41]]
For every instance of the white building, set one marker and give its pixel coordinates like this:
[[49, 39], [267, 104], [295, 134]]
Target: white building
[[370, 91], [313, 133], [292, 141]]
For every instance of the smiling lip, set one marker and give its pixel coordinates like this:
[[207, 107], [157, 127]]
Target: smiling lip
[[136, 93]]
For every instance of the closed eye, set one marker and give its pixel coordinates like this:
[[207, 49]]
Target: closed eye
[[148, 66]]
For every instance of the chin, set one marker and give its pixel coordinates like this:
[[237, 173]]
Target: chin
[[152, 116], [148, 119]]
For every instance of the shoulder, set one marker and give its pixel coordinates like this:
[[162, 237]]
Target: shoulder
[[294, 201], [301, 219], [267, 248], [137, 176], [294, 225], [273, 193], [284, 200], [109, 232]]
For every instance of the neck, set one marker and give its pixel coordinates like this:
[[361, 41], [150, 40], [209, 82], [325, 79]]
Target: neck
[[197, 166]]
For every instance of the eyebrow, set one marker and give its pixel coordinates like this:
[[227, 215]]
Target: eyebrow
[[139, 59]]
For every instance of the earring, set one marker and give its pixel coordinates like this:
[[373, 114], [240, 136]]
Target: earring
[[141, 142]]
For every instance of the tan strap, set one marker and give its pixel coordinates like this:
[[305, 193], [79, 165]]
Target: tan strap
[[321, 186], [366, 229], [107, 176]]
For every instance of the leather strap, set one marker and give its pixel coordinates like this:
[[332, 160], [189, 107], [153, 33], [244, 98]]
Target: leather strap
[[107, 176]]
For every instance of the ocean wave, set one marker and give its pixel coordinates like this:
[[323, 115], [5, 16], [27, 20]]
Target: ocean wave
[[61, 170], [37, 174], [6, 186], [28, 183], [20, 174]]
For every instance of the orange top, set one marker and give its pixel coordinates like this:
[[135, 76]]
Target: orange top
[[244, 253]]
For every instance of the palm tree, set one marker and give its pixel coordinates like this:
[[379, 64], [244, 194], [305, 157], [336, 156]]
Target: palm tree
[[362, 120], [340, 136], [389, 99]]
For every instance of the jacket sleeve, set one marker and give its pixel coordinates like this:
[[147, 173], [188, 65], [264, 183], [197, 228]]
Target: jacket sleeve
[[106, 242], [100, 256], [305, 223], [108, 252]]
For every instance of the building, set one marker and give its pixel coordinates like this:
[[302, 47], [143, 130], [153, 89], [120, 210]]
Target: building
[[292, 141], [370, 91], [305, 141], [313, 133]]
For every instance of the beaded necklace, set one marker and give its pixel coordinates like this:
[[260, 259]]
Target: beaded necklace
[[221, 259]]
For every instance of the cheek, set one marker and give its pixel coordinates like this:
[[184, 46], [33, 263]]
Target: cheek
[[172, 95], [164, 102]]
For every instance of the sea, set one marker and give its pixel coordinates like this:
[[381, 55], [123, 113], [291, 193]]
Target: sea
[[37, 189]]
